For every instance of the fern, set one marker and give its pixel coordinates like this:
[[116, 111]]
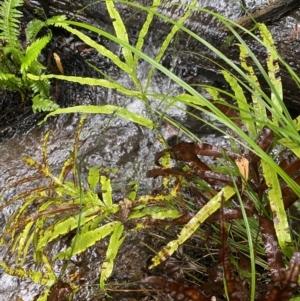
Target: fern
[[33, 51], [33, 28], [36, 25], [41, 86], [16, 62], [10, 81], [9, 22], [43, 104], [41, 100]]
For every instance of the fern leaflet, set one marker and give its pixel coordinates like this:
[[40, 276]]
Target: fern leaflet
[[9, 21], [33, 51]]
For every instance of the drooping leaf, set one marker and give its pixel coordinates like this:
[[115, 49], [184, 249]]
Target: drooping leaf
[[89, 81], [106, 109], [100, 48], [62, 227], [189, 229], [35, 276]]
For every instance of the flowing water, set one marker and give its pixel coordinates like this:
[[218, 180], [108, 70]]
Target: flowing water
[[109, 141]]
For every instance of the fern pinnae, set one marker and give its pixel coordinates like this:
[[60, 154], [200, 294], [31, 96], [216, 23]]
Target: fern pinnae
[[36, 25], [33, 51], [9, 23], [33, 28], [10, 81]]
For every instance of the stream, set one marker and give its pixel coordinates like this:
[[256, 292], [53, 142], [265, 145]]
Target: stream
[[114, 142]]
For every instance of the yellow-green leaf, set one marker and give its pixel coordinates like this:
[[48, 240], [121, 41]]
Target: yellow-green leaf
[[121, 31], [106, 109], [115, 242], [101, 49], [279, 215], [93, 177], [294, 147], [89, 81], [107, 191], [145, 29], [189, 229], [87, 239], [273, 68], [258, 105], [243, 105], [62, 227]]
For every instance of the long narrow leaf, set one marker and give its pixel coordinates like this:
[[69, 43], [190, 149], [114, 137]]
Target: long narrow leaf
[[279, 215], [242, 103], [106, 109], [115, 242], [101, 49], [189, 229], [87, 239], [273, 69], [145, 29], [88, 81], [107, 191], [120, 30]]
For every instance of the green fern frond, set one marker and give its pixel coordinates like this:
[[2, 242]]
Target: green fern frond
[[7, 65], [9, 22], [40, 104], [41, 87], [33, 51], [41, 101], [10, 81], [33, 28], [56, 19], [15, 54]]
